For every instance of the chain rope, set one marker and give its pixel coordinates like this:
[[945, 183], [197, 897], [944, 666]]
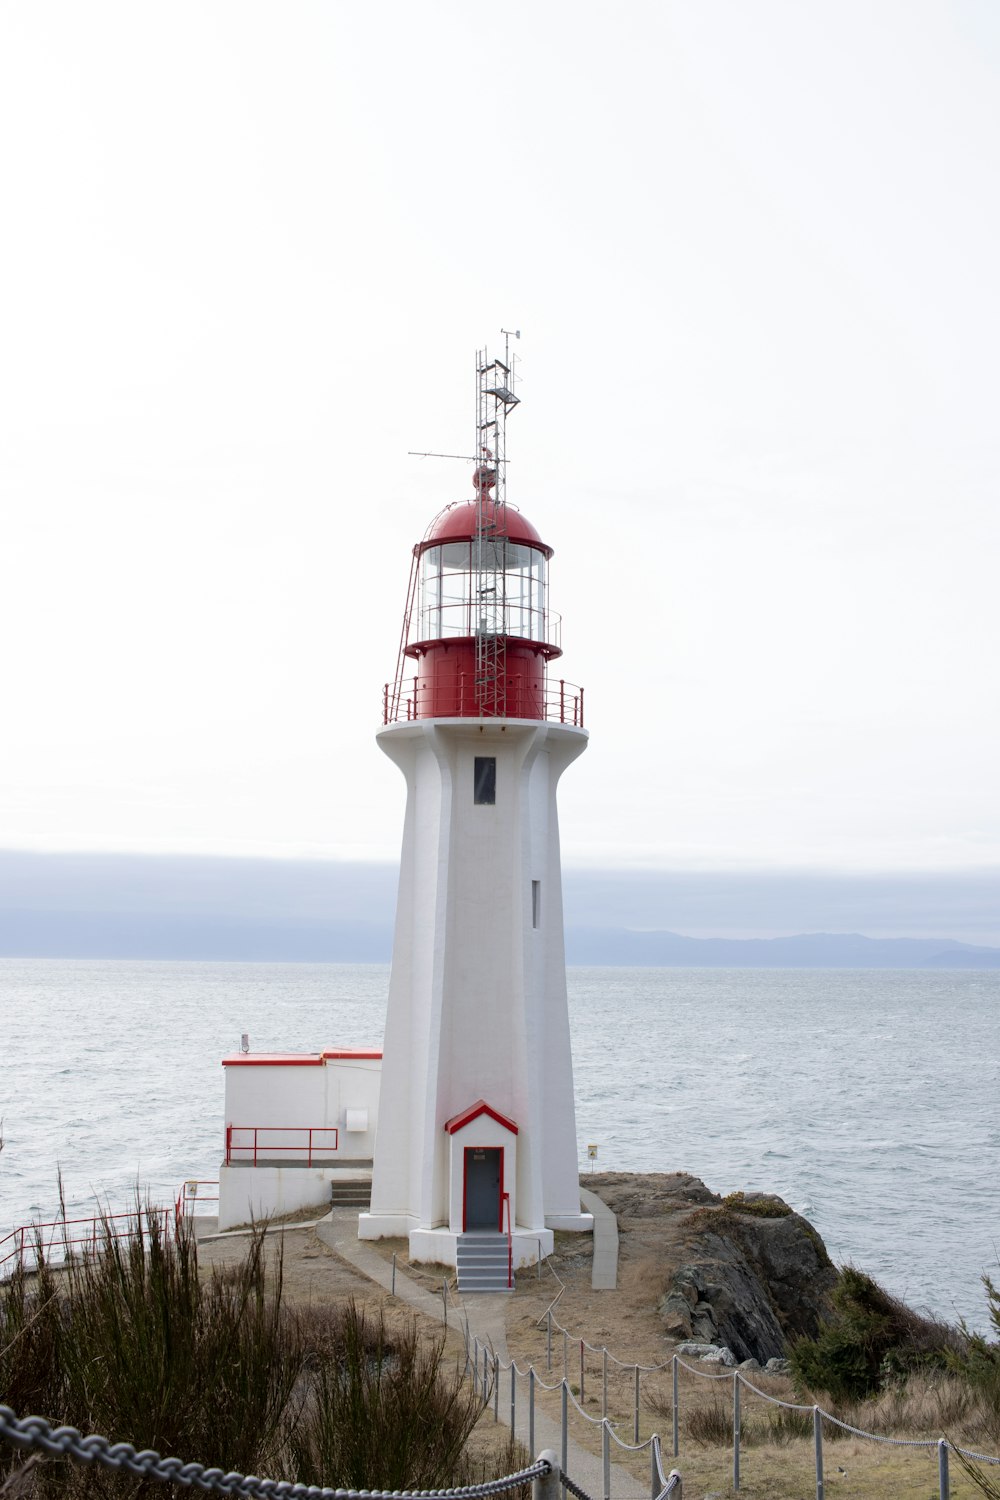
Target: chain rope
[[69, 1442]]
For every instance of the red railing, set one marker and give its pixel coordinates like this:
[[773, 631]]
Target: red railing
[[71, 1234], [309, 1145], [559, 702], [188, 1195], [510, 1241]]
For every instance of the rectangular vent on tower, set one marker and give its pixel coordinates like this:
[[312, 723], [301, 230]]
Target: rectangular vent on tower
[[485, 780], [536, 903]]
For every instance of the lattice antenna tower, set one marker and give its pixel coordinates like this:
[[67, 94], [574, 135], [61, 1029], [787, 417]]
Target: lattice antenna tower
[[495, 400]]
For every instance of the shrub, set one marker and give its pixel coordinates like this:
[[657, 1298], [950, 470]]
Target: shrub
[[30, 1338], [131, 1342], [870, 1340], [764, 1207], [381, 1411], [712, 1425], [978, 1362]]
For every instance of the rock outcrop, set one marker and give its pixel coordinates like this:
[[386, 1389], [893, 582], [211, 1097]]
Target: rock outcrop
[[743, 1273]]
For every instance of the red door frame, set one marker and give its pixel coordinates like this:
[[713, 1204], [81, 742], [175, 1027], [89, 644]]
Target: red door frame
[[465, 1182]]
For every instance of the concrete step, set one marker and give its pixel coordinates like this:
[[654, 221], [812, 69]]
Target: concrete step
[[482, 1262], [351, 1195]]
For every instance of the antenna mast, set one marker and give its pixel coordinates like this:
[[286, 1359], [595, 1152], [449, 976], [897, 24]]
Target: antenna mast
[[495, 399]]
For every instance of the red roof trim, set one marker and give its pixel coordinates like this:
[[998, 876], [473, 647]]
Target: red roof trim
[[473, 1112], [298, 1059], [274, 1060]]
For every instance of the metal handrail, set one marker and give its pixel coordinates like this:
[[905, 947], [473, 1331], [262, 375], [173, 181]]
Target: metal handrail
[[188, 1193], [29, 1237], [510, 1242], [308, 1131]]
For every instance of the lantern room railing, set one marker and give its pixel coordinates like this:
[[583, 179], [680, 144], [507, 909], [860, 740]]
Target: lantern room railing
[[558, 702]]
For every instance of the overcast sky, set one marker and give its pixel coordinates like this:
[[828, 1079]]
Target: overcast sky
[[247, 254]]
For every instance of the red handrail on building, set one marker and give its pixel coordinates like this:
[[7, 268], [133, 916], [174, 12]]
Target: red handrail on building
[[188, 1194], [307, 1145], [510, 1243]]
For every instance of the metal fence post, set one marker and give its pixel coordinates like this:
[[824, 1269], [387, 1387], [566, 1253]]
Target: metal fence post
[[606, 1456], [549, 1487], [654, 1477], [818, 1440], [531, 1408], [513, 1398], [444, 1299], [943, 1468], [565, 1423], [565, 1355], [736, 1432], [635, 1424], [486, 1382], [548, 1340], [604, 1382], [677, 1445], [496, 1387], [394, 1273], [582, 1396]]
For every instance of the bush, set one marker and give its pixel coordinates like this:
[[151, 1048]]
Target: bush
[[131, 1342], [870, 1340], [382, 1410], [711, 1426], [978, 1362], [765, 1206]]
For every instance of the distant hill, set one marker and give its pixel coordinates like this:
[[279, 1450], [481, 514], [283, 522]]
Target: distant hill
[[814, 950]]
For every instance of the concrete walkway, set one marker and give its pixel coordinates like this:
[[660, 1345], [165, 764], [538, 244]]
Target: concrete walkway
[[604, 1277], [487, 1321]]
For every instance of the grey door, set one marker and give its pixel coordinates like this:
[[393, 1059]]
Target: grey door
[[482, 1187]]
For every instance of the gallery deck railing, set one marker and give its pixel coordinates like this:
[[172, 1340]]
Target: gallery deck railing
[[558, 702]]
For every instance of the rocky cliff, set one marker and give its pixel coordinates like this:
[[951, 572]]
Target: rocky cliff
[[743, 1271]]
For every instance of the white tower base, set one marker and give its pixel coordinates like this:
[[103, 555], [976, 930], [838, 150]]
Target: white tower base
[[477, 1129]]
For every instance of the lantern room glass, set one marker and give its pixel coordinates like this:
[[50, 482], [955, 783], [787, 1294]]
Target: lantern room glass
[[447, 608]]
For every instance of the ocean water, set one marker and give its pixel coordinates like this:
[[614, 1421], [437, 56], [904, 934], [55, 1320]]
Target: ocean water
[[869, 1099]]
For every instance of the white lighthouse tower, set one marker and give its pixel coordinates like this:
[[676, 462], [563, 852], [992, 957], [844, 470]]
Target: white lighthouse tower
[[476, 1128]]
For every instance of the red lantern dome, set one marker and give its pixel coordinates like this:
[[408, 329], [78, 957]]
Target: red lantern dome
[[477, 625]]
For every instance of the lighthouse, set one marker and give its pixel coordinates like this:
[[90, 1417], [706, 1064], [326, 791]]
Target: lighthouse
[[476, 1139]]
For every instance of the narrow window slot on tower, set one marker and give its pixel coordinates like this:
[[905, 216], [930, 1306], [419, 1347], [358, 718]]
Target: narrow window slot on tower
[[485, 780], [536, 903]]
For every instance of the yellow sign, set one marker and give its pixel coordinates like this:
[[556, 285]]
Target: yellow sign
[[592, 1153]]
